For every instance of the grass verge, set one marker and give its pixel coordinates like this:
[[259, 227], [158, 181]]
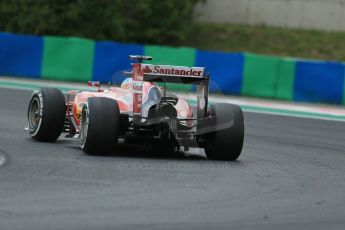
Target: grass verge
[[268, 40]]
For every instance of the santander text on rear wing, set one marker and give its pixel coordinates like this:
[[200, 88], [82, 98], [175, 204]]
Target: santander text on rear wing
[[174, 74], [167, 73]]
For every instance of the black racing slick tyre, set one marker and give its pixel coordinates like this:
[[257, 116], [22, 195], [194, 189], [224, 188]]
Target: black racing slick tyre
[[99, 127], [46, 114], [226, 142]]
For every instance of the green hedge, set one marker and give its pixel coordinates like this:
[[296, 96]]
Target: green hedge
[[144, 21]]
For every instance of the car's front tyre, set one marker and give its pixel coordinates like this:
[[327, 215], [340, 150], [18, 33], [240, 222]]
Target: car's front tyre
[[46, 114]]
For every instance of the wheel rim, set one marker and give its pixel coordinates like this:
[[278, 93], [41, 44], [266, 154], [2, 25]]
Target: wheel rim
[[84, 124], [34, 113]]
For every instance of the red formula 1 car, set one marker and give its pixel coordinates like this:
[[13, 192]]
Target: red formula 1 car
[[140, 112]]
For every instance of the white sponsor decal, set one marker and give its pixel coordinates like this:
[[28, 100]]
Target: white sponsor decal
[[173, 70]]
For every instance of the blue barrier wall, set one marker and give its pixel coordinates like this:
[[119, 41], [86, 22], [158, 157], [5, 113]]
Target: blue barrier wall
[[226, 70], [112, 57], [20, 55], [319, 82], [231, 73]]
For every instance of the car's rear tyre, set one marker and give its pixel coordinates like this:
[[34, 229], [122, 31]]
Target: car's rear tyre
[[226, 142], [46, 114], [99, 127]]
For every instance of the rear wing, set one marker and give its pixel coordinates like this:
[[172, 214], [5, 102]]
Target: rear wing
[[167, 74], [174, 74]]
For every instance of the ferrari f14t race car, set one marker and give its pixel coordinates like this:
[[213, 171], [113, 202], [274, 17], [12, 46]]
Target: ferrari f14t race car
[[140, 112]]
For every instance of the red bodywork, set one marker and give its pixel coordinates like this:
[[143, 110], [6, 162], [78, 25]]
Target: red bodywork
[[124, 97]]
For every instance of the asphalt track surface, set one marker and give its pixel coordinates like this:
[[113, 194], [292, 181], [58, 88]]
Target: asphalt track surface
[[291, 175]]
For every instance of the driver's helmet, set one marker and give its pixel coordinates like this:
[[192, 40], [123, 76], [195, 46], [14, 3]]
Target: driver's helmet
[[127, 83]]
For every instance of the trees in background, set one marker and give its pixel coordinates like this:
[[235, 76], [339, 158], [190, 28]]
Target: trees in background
[[143, 21]]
